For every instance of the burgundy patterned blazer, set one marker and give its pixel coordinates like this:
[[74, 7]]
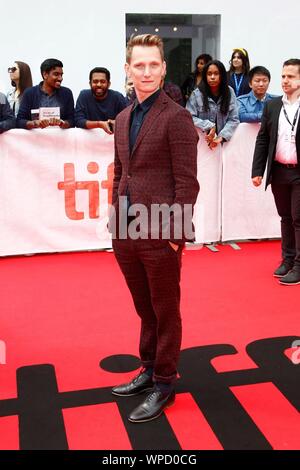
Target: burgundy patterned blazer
[[162, 167]]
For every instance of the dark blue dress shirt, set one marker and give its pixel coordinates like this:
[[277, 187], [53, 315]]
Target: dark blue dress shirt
[[137, 117]]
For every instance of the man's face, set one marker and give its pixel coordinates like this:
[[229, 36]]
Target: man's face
[[290, 79], [53, 78], [99, 85], [146, 69], [259, 84]]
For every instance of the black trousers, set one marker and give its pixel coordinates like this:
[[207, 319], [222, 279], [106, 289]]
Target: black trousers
[[286, 190]]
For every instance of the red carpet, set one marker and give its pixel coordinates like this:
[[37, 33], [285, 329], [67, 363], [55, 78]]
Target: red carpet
[[63, 314]]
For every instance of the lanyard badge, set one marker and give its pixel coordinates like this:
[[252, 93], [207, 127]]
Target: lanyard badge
[[291, 137]]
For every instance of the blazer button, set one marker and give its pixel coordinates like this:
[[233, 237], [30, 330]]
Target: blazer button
[[128, 176]]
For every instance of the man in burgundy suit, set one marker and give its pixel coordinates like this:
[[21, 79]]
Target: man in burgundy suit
[[155, 165]]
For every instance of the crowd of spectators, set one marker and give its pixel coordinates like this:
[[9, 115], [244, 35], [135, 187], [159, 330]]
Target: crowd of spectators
[[217, 99]]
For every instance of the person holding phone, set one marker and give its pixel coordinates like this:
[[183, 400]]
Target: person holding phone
[[99, 106]]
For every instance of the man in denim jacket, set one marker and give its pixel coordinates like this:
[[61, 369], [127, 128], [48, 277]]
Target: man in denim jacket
[[252, 104]]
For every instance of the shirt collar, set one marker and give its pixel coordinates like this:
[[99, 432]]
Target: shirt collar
[[286, 101], [12, 93], [253, 99], [147, 103], [44, 93]]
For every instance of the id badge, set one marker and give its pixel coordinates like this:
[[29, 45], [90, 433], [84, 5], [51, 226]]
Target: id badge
[[293, 138], [289, 137]]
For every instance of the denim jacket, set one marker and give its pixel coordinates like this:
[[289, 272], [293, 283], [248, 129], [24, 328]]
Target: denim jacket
[[250, 108], [205, 120]]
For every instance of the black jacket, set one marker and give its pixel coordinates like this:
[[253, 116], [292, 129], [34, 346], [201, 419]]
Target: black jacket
[[266, 140]]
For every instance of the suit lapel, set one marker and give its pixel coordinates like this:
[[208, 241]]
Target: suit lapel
[[152, 115], [125, 130], [276, 114], [298, 125]]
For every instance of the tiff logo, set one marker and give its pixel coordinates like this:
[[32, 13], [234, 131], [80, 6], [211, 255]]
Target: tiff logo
[[70, 186], [156, 220], [2, 352], [39, 403]]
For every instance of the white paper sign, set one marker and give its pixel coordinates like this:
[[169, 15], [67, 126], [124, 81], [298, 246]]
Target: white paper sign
[[48, 113]]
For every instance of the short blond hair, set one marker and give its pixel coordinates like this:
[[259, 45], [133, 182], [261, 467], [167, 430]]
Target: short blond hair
[[147, 40]]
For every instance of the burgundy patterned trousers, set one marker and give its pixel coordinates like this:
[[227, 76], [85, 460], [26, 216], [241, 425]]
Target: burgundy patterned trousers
[[152, 272]]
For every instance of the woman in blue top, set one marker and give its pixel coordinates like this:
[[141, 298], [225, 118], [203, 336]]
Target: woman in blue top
[[213, 105], [238, 74]]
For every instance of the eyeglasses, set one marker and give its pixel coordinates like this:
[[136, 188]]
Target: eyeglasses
[[11, 69]]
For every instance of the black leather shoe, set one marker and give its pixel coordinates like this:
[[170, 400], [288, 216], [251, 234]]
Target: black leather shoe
[[291, 278], [152, 407], [139, 384], [283, 269]]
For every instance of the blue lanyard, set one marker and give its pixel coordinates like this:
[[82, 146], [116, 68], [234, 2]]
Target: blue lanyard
[[238, 84]]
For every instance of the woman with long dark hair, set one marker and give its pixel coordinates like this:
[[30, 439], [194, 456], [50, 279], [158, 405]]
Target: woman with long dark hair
[[213, 105], [238, 74], [20, 76], [193, 79]]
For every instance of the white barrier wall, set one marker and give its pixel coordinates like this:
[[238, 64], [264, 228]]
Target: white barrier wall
[[54, 190], [55, 186], [247, 211], [207, 213]]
